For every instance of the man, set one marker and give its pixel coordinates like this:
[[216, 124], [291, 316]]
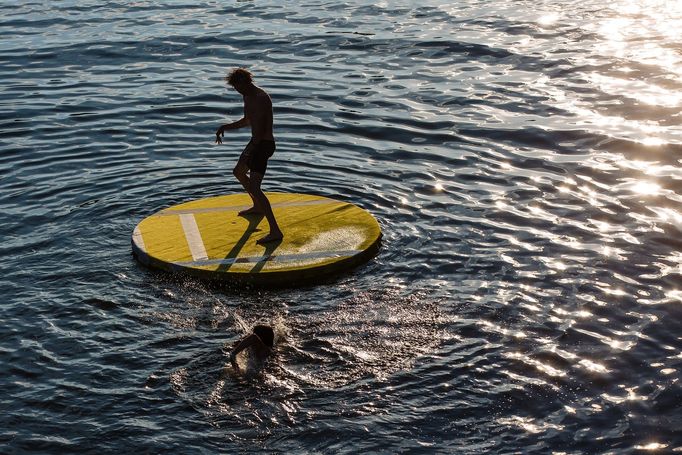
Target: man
[[254, 158], [261, 342]]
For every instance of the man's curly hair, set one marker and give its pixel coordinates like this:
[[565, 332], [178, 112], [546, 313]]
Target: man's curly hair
[[239, 76]]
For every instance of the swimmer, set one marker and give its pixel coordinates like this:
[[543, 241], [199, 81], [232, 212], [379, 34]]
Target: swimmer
[[261, 342]]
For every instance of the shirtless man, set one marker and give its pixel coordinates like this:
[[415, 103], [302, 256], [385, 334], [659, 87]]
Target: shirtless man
[[254, 158], [261, 342]]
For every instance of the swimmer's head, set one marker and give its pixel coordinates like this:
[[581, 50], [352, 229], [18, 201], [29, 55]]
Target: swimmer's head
[[266, 334]]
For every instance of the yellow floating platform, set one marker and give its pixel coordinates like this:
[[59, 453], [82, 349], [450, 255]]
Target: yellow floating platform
[[206, 238]]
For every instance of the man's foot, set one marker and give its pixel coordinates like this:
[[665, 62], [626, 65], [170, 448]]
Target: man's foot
[[271, 237], [251, 211]]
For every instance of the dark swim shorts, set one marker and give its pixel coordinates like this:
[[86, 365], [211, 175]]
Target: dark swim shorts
[[258, 158]]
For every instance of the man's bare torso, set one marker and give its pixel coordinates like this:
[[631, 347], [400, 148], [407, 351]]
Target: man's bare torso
[[258, 109]]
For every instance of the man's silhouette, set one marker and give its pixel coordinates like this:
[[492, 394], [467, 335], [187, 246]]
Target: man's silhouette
[[254, 158]]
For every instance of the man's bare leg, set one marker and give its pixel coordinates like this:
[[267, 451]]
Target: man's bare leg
[[261, 201], [239, 171]]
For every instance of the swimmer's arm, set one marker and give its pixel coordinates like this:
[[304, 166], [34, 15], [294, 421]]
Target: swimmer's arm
[[243, 344]]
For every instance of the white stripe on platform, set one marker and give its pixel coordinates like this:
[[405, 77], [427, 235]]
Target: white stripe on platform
[[273, 257], [193, 236], [236, 208], [137, 238]]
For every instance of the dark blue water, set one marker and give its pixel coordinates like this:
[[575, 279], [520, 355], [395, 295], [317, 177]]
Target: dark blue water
[[522, 158]]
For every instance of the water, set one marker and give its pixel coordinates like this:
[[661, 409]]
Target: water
[[522, 158]]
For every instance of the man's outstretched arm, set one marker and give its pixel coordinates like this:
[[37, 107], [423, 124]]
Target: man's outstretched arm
[[230, 126]]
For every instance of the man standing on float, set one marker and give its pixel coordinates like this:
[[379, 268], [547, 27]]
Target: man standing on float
[[254, 158]]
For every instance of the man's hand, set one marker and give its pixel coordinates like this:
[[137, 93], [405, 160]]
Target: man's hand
[[219, 134]]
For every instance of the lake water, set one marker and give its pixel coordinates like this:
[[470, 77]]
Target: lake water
[[522, 158]]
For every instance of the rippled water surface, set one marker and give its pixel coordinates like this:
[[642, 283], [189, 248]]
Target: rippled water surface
[[522, 158]]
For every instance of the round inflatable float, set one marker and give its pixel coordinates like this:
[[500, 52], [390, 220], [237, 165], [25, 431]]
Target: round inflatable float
[[207, 238]]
